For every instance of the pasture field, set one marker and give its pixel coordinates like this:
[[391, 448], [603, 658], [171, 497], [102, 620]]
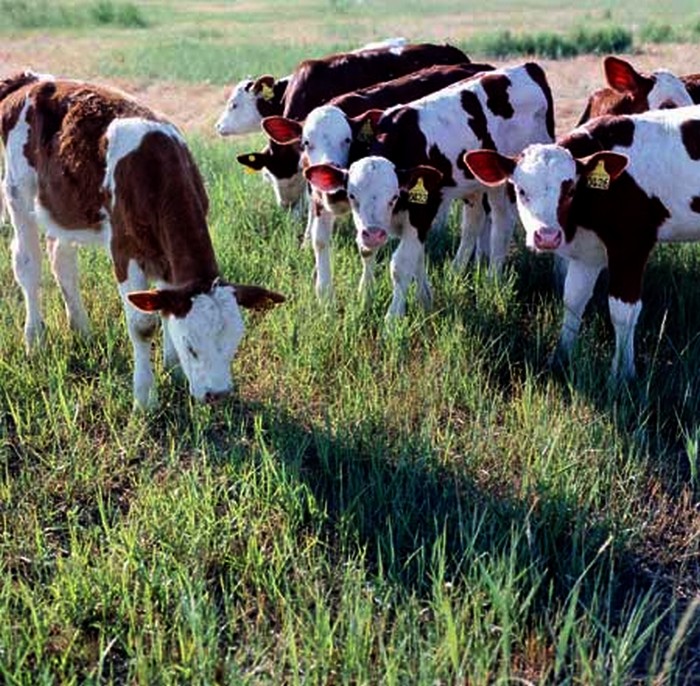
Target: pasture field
[[419, 504]]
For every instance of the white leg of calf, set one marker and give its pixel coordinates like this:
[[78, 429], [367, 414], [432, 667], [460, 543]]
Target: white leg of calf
[[310, 216], [369, 261], [63, 258], [26, 261], [471, 227], [578, 288], [483, 242], [424, 291], [170, 357], [441, 218], [624, 317], [404, 268], [502, 225], [321, 237], [141, 327]]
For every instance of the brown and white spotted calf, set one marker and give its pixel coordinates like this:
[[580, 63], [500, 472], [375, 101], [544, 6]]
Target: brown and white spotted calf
[[342, 132], [605, 195], [89, 165], [315, 82], [417, 167], [251, 100], [630, 91]]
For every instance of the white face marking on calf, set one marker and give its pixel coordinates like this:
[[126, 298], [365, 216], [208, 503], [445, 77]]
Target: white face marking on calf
[[240, 115], [538, 178], [668, 90], [373, 189], [206, 339], [326, 136]]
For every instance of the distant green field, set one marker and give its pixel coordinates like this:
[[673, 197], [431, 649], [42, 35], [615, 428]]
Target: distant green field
[[421, 504], [215, 42]]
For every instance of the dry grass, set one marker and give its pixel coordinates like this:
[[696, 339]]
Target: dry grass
[[195, 107]]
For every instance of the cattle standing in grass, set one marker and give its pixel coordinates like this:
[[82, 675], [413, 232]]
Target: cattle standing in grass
[[340, 133], [605, 195], [252, 100], [315, 82], [632, 92], [92, 166], [423, 145]]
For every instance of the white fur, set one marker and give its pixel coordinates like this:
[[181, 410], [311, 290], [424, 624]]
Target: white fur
[[624, 317], [668, 88], [213, 327], [206, 340], [660, 165], [326, 138], [445, 124], [20, 187]]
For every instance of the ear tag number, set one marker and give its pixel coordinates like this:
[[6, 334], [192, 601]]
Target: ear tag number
[[418, 195], [599, 178], [266, 93]]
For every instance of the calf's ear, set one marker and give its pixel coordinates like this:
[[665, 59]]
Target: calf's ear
[[256, 297], [253, 161], [622, 76], [281, 129], [364, 126], [167, 301], [489, 167], [602, 167], [326, 178], [263, 85]]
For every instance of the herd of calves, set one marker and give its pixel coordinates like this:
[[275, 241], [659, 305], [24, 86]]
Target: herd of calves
[[392, 133]]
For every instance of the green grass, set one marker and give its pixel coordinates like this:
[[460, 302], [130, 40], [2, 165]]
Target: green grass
[[424, 504], [42, 14]]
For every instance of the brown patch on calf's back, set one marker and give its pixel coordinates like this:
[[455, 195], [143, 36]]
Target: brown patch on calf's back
[[159, 215], [690, 135], [67, 126], [477, 119], [540, 78], [496, 88]]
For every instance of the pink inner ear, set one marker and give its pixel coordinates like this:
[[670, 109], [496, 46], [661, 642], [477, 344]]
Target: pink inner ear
[[146, 301], [281, 129], [325, 178], [620, 75], [486, 166]]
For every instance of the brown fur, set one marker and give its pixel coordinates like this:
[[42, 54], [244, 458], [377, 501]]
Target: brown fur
[[314, 82], [159, 214]]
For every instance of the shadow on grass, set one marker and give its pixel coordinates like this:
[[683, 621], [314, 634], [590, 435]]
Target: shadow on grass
[[392, 497]]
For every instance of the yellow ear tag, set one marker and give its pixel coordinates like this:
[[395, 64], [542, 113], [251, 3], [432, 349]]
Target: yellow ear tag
[[599, 178], [247, 169], [418, 195], [366, 132], [266, 93]]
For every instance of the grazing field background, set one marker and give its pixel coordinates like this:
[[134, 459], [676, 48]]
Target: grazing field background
[[421, 504]]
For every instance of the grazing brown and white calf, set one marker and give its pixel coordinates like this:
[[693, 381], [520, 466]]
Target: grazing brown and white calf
[[340, 133], [418, 166], [90, 165], [252, 100], [605, 195], [315, 82], [632, 92]]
